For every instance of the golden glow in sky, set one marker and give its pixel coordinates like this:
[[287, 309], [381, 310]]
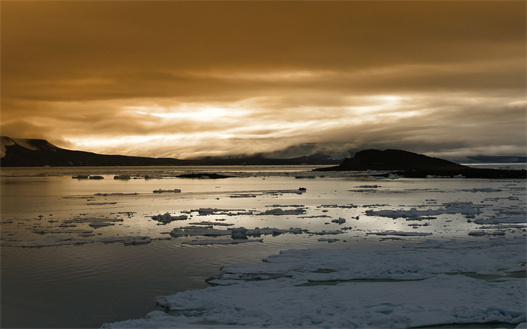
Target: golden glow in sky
[[189, 79]]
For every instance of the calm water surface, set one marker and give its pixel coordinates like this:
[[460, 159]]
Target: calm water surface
[[80, 286]]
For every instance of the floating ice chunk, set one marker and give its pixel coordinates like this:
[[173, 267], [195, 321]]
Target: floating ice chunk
[[218, 241], [339, 221], [122, 176], [239, 233], [483, 233], [127, 240], [236, 196], [393, 176], [195, 231], [484, 189], [115, 194], [514, 219], [100, 223], [458, 207], [94, 222], [155, 314], [502, 227], [400, 233], [328, 240], [346, 206], [235, 233], [282, 212], [364, 190], [216, 211], [305, 176], [167, 218], [203, 176], [176, 190], [324, 232], [99, 203], [208, 223], [272, 231], [206, 211], [458, 176]]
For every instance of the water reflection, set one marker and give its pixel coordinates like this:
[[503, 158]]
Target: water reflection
[[86, 285]]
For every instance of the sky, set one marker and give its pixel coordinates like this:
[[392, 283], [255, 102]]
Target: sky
[[189, 79]]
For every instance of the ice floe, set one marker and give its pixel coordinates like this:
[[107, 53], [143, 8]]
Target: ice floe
[[225, 212], [176, 190], [282, 212], [324, 232], [400, 233], [339, 221], [167, 218], [484, 233], [433, 283], [465, 208], [328, 240], [244, 195], [209, 223], [515, 219], [235, 233], [95, 222]]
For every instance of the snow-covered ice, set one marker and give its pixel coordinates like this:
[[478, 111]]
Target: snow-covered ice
[[400, 233], [220, 241], [426, 284], [478, 277], [465, 208]]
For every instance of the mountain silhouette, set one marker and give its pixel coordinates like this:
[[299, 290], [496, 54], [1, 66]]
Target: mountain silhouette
[[408, 164], [17, 152]]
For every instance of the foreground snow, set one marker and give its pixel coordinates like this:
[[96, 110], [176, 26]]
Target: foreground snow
[[427, 284]]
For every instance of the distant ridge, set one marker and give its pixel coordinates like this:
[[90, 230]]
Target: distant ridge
[[39, 152], [18, 152], [396, 160], [410, 164]]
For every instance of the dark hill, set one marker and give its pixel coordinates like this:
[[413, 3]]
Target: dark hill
[[396, 160], [39, 152], [410, 164]]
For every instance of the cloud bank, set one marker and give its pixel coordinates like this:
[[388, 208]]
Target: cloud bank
[[190, 79]]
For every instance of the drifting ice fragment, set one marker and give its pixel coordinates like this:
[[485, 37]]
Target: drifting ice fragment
[[176, 190], [167, 218]]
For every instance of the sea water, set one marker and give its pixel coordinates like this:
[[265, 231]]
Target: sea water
[[58, 271]]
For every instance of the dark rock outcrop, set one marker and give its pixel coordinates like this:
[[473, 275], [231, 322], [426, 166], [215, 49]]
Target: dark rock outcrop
[[408, 164], [395, 160]]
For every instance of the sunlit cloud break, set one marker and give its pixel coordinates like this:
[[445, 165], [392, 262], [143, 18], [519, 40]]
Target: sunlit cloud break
[[193, 79]]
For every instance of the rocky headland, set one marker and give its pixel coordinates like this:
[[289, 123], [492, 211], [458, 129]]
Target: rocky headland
[[413, 165]]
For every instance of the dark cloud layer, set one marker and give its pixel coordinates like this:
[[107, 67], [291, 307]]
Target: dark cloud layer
[[429, 76]]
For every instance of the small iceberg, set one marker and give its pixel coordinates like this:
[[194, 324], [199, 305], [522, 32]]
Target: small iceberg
[[167, 218], [176, 190]]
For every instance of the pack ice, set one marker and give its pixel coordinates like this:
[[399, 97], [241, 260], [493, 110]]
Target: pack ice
[[426, 284]]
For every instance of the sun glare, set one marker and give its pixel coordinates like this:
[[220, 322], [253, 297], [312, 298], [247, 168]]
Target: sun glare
[[192, 113]]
